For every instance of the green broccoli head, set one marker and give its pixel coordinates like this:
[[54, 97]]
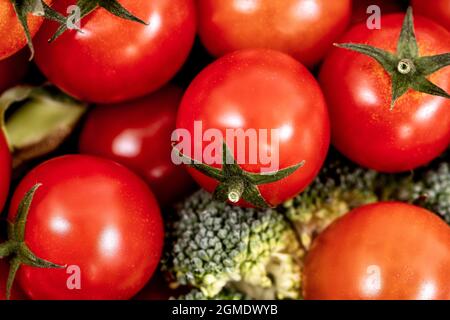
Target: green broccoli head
[[214, 244], [428, 188], [226, 294], [340, 187]]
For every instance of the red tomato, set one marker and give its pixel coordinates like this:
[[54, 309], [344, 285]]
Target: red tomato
[[438, 11], [137, 134], [114, 59], [303, 28], [260, 89], [11, 31], [5, 169], [13, 69], [358, 92], [359, 10], [93, 214], [381, 251]]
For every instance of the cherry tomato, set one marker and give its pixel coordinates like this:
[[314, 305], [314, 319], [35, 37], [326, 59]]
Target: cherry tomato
[[5, 169], [438, 11], [259, 90], [305, 29], [96, 217], [137, 134], [358, 92], [114, 59], [13, 69], [359, 10], [381, 251], [11, 31]]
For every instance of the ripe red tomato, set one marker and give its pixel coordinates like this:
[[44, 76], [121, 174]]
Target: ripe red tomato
[[253, 90], [16, 292], [95, 215], [5, 169], [137, 134], [13, 69], [381, 251], [11, 31], [114, 59], [359, 10], [305, 29], [358, 92], [438, 11]]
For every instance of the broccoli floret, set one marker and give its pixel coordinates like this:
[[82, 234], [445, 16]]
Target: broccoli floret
[[428, 188], [340, 187], [214, 244], [225, 294]]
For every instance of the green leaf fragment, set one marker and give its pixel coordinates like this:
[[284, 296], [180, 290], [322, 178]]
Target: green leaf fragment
[[39, 122]]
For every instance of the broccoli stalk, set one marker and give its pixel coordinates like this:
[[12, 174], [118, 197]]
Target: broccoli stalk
[[213, 245]]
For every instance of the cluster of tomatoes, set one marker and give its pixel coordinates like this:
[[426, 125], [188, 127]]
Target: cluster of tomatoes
[[103, 219]]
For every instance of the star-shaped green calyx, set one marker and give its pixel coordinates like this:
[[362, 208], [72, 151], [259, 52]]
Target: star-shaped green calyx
[[407, 69], [38, 8], [88, 6], [16, 248], [235, 183]]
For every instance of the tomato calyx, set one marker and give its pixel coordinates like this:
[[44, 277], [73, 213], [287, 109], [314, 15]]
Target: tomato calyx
[[88, 6], [235, 183], [16, 246], [37, 8], [407, 69]]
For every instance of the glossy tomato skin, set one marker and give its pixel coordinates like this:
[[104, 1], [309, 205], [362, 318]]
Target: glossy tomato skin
[[94, 214], [115, 59], [359, 9], [358, 93], [303, 28], [381, 251], [261, 89], [137, 134], [5, 169], [438, 11], [11, 31], [13, 69]]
